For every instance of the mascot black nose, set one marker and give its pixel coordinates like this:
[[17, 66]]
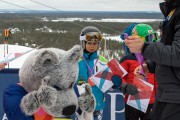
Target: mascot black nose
[[69, 110]]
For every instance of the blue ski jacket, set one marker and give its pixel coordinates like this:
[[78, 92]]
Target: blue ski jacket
[[84, 74], [11, 103]]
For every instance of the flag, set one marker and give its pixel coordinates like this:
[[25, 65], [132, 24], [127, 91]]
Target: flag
[[103, 79], [141, 100]]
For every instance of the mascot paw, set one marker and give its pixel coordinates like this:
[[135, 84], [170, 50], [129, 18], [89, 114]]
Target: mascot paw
[[47, 96], [86, 100], [29, 103]]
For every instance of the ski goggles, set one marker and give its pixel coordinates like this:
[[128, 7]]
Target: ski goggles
[[92, 36], [149, 38]]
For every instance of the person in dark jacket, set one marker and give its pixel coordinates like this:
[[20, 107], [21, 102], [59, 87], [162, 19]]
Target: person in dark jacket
[[164, 59]]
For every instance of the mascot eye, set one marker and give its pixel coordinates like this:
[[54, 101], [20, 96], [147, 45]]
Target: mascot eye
[[48, 61], [57, 88]]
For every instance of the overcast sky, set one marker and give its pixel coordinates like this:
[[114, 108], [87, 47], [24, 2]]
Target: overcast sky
[[84, 5]]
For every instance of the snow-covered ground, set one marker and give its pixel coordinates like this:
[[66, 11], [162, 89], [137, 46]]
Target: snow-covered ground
[[100, 20], [116, 38]]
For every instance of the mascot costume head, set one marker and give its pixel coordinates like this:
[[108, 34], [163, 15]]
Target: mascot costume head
[[49, 76]]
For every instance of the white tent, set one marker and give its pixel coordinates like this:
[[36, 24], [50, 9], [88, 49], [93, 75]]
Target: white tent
[[17, 63]]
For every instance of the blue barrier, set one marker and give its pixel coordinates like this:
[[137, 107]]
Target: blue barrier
[[7, 77], [114, 106]]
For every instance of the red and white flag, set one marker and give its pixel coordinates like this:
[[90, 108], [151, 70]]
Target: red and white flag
[[103, 79]]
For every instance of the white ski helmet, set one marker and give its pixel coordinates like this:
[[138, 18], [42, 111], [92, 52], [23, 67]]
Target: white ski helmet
[[90, 33]]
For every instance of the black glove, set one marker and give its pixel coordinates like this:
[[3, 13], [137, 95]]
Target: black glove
[[129, 89], [150, 114]]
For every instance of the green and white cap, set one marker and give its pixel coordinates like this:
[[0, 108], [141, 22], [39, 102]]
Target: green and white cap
[[146, 32]]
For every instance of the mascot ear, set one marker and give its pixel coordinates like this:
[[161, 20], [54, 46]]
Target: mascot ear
[[45, 56], [74, 53]]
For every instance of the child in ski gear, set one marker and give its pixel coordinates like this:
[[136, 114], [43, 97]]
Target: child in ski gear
[[130, 62], [128, 31], [164, 62], [90, 63], [46, 87]]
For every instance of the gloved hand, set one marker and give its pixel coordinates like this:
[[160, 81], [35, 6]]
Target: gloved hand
[[117, 81], [150, 114], [129, 89]]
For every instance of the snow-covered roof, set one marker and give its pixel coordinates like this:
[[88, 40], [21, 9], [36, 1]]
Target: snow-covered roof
[[17, 63]]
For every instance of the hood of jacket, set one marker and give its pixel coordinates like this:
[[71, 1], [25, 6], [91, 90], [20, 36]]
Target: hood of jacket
[[166, 7]]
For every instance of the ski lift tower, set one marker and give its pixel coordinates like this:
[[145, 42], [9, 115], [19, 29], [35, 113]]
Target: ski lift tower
[[7, 36]]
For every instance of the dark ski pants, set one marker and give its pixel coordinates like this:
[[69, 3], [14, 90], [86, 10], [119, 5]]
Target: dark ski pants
[[134, 114], [166, 111]]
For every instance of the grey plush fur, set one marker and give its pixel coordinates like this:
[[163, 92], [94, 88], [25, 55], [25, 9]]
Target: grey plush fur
[[49, 76], [87, 104]]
